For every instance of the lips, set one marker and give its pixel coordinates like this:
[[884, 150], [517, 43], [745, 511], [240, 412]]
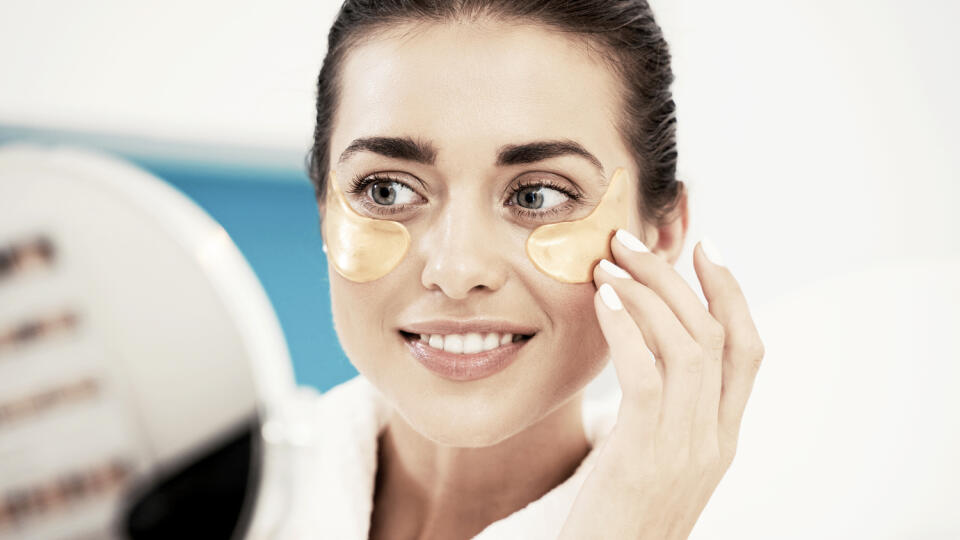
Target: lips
[[463, 350], [460, 366]]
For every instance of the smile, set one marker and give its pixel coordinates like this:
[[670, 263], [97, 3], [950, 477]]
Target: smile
[[466, 343], [465, 357]]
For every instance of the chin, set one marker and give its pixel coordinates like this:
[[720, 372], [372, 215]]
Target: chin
[[460, 421]]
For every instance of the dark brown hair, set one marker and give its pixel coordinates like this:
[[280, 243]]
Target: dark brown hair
[[623, 33]]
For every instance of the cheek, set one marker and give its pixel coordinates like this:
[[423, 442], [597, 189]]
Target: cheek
[[579, 349], [352, 306], [364, 315]]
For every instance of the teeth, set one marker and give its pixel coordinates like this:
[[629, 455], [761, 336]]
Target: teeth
[[468, 343], [453, 343], [492, 341], [473, 343]]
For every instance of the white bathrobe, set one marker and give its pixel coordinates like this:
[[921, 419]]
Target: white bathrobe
[[321, 463]]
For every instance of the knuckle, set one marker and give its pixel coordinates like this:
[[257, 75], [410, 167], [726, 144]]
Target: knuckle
[[708, 458], [650, 388], [756, 352], [692, 358], [748, 345], [716, 336]]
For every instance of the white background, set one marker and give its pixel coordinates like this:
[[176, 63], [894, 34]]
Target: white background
[[820, 141]]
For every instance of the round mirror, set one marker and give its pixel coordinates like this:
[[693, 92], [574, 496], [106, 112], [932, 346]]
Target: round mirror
[[139, 356]]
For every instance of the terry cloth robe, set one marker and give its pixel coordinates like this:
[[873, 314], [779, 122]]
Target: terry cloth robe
[[321, 462]]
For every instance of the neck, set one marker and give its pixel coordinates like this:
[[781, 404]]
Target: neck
[[427, 490]]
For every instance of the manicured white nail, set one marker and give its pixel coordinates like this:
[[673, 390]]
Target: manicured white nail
[[324, 248], [610, 298], [630, 241], [653, 359], [711, 251], [613, 269]]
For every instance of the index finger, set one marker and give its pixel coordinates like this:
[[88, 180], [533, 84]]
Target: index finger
[[657, 274]]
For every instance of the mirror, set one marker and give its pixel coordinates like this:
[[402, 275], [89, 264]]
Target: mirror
[[139, 356]]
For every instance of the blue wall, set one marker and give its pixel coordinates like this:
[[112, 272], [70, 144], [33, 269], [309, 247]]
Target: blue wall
[[275, 225]]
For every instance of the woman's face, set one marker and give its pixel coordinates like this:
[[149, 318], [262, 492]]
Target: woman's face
[[470, 91]]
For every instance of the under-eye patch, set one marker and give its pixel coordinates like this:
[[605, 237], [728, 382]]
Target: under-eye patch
[[567, 251], [364, 249], [361, 249]]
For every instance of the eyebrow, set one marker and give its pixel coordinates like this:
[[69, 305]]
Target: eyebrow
[[425, 152]]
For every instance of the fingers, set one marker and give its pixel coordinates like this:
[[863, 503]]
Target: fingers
[[657, 274], [660, 276], [663, 333], [743, 350], [634, 363]]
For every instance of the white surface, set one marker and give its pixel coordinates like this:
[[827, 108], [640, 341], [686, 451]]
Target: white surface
[[852, 428], [819, 138]]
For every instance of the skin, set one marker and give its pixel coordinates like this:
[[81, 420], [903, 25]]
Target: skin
[[360, 248], [364, 249], [452, 452]]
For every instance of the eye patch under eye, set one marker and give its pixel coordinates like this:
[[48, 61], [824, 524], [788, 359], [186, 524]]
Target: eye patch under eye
[[361, 249], [567, 251]]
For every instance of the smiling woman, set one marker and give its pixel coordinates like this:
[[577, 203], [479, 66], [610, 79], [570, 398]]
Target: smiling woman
[[471, 124]]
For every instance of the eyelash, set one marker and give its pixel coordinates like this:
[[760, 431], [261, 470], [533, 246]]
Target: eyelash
[[534, 214], [360, 183]]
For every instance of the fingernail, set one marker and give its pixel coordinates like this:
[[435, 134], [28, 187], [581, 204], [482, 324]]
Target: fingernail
[[711, 251], [610, 298], [630, 241], [324, 248], [613, 269]]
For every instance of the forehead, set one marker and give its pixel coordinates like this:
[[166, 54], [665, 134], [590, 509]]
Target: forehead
[[472, 87]]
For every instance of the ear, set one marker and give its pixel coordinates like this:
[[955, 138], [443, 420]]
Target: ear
[[667, 240]]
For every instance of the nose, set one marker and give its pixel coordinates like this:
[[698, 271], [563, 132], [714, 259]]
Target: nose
[[461, 252]]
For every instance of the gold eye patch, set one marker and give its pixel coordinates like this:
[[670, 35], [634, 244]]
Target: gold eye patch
[[361, 249], [568, 251]]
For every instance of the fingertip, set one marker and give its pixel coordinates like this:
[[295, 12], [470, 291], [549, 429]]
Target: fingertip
[[609, 297], [710, 250]]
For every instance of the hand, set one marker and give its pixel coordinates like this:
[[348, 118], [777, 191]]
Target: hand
[[679, 419]]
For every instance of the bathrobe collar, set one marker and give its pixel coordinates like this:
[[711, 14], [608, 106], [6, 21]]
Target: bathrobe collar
[[336, 474]]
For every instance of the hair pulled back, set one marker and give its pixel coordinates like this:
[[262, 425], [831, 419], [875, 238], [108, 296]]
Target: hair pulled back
[[623, 33]]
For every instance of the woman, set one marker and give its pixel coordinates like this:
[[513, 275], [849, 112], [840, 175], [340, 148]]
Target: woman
[[470, 124]]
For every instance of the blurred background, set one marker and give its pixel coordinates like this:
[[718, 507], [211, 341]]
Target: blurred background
[[820, 142]]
